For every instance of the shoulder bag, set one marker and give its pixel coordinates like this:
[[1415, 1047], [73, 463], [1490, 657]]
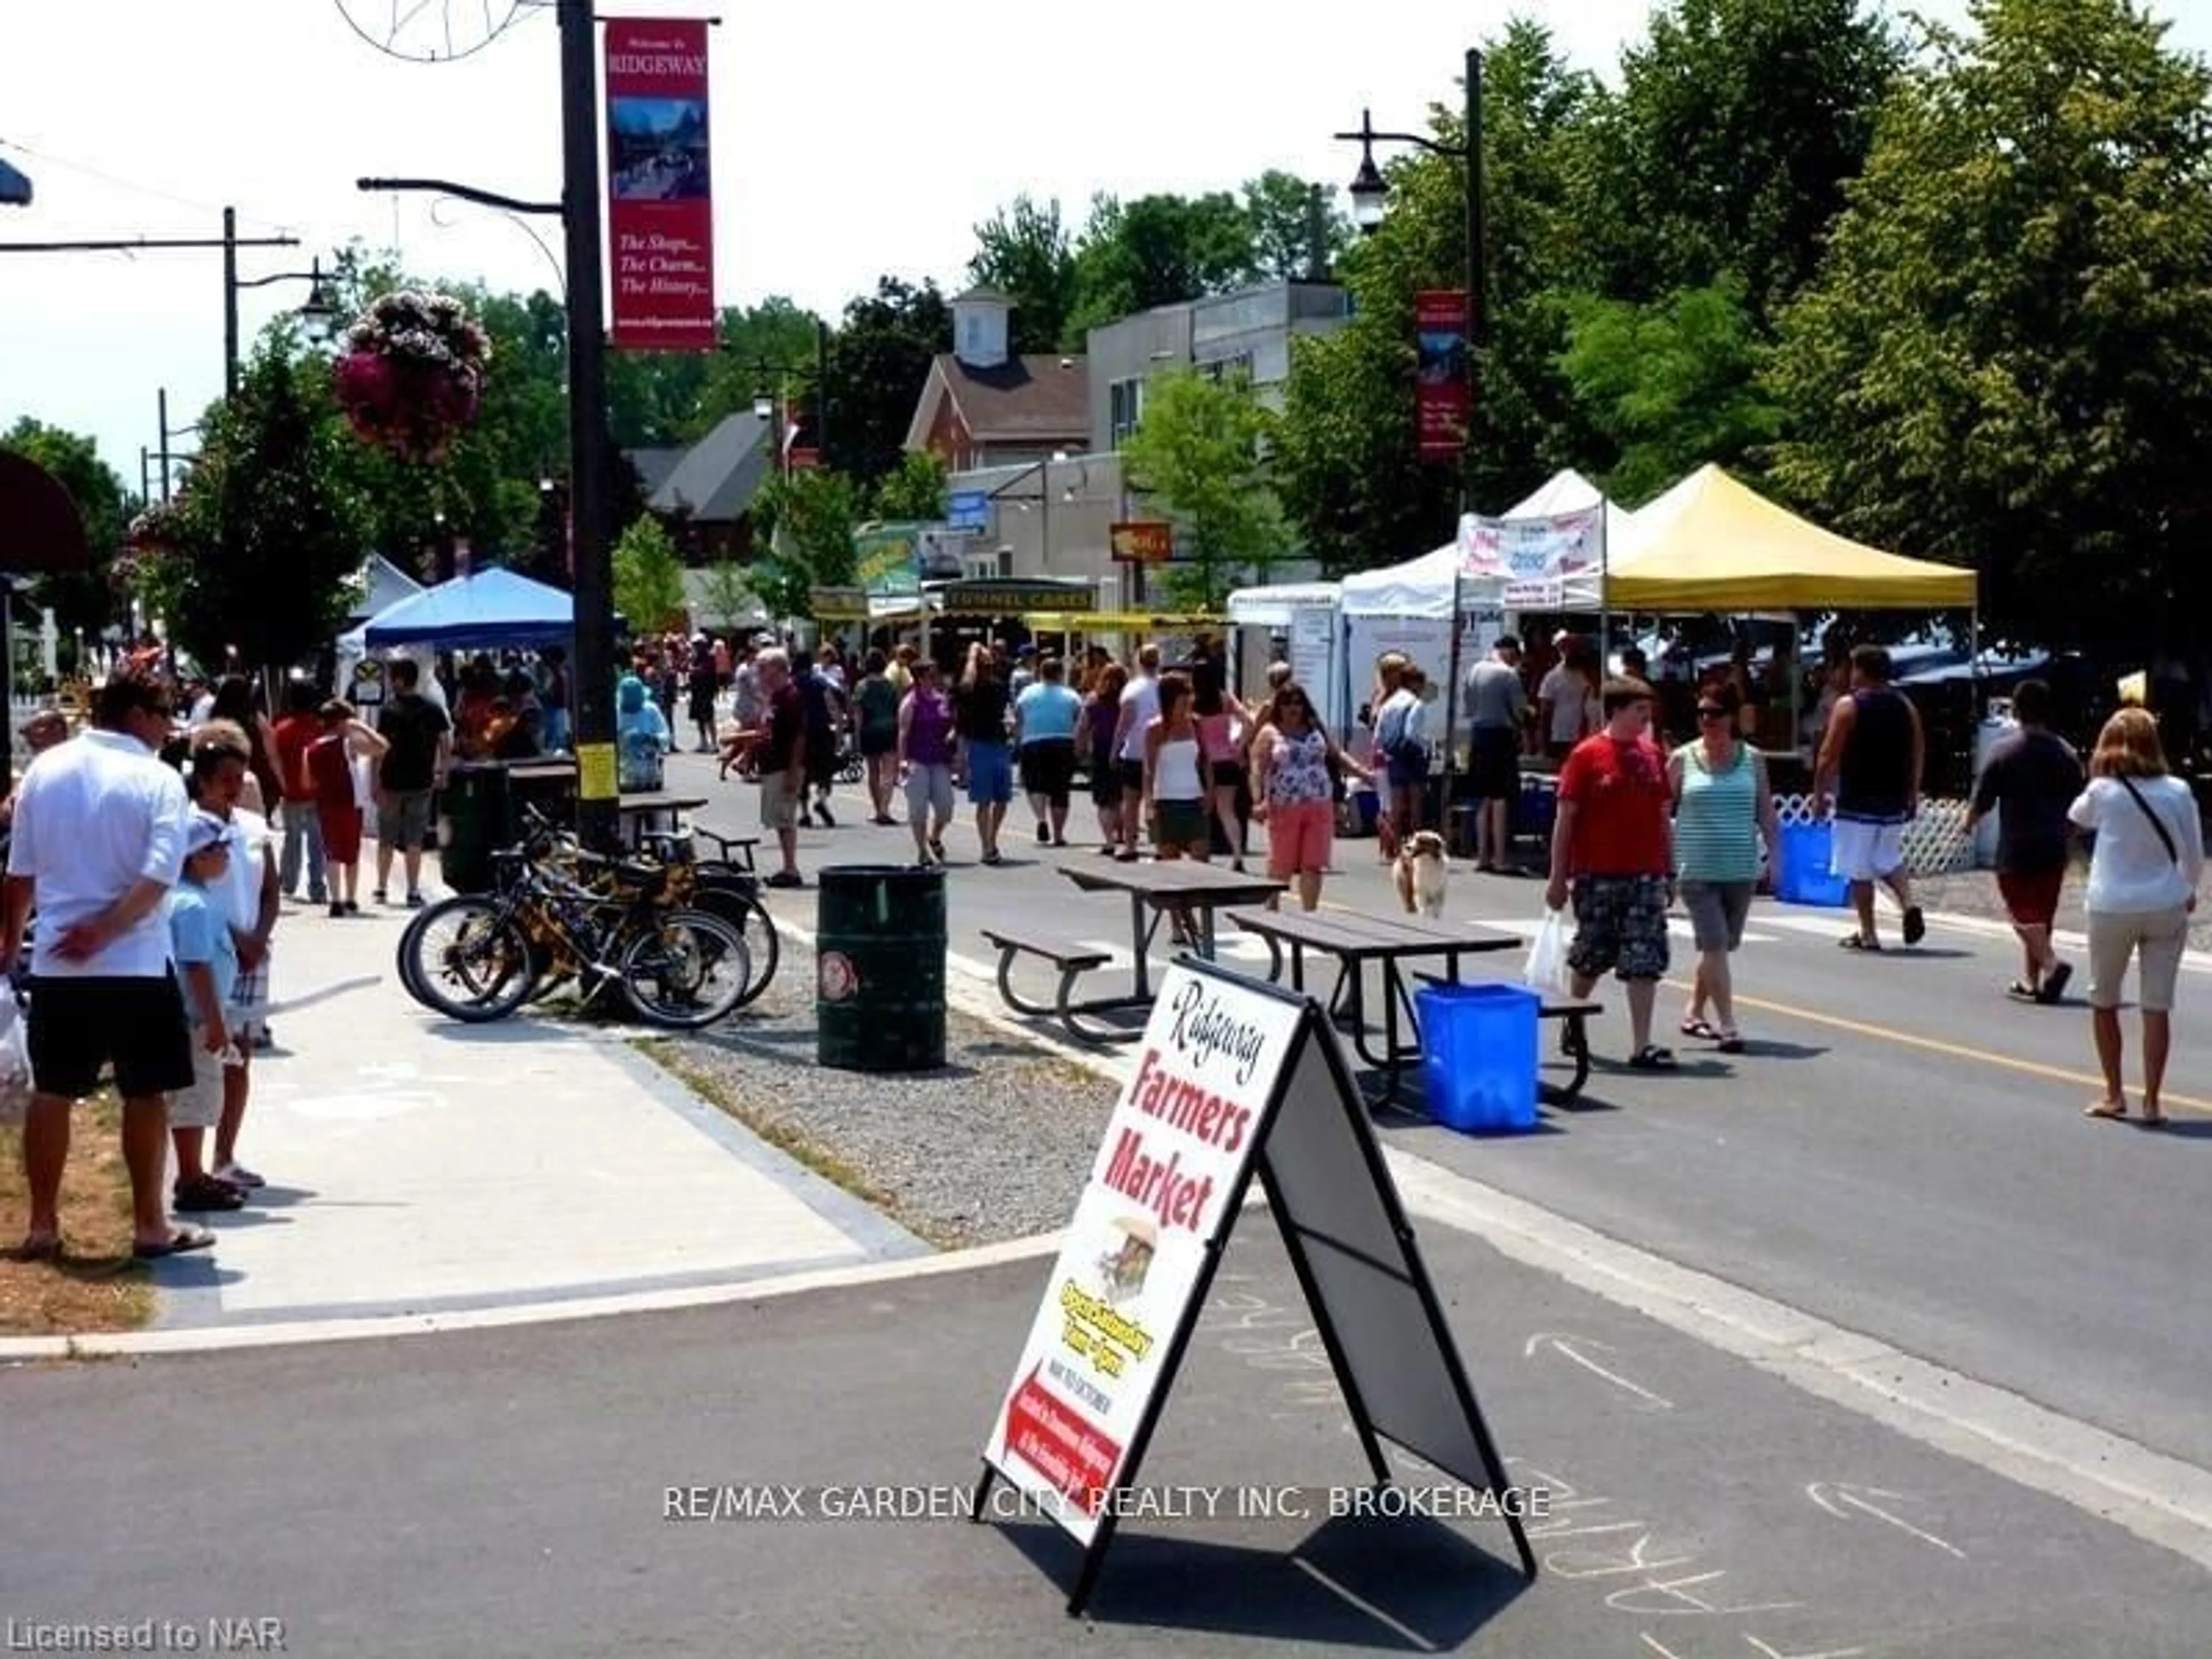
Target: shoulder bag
[[2165, 835]]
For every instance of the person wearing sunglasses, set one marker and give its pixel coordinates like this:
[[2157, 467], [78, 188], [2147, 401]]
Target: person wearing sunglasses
[[1723, 819]]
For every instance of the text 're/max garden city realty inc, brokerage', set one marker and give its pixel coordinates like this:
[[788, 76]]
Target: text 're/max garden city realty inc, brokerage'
[[729, 1504]]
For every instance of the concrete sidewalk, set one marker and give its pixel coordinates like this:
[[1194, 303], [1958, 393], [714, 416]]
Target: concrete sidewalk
[[417, 1165]]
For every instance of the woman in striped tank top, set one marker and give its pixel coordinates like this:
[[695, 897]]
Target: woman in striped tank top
[[1723, 814]]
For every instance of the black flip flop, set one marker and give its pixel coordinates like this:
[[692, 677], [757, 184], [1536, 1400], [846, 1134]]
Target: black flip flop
[[1651, 1058], [184, 1239], [36, 1250], [2055, 983], [1732, 1044], [1916, 925]]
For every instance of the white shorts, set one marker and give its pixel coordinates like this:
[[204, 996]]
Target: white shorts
[[199, 1107], [1867, 852]]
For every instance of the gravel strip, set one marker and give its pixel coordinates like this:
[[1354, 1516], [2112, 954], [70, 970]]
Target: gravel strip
[[996, 1146]]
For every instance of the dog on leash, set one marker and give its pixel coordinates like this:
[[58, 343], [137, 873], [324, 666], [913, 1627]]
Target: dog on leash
[[1421, 874]]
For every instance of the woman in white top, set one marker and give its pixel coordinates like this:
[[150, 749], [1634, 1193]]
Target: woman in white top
[[2142, 886], [1176, 790]]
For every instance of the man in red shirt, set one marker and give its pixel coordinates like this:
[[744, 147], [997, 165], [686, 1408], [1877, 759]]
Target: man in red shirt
[[1613, 853], [303, 831]]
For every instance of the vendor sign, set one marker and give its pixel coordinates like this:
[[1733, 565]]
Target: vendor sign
[[1162, 1195], [887, 559], [1529, 552]]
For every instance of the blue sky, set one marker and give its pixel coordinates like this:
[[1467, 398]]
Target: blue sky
[[849, 141]]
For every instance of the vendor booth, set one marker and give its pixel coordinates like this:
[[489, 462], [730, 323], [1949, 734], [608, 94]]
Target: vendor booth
[[1310, 618]]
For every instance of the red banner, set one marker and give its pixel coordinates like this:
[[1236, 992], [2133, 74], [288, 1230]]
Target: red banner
[[660, 210], [1443, 395]]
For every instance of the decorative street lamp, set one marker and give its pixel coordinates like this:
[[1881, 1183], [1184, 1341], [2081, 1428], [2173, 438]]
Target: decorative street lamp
[[1370, 191]]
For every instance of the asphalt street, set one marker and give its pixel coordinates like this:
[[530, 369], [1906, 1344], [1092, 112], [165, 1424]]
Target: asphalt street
[[580, 1489], [1901, 1152]]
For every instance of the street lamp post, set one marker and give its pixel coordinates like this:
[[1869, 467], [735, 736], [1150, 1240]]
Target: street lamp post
[[317, 314], [1369, 191]]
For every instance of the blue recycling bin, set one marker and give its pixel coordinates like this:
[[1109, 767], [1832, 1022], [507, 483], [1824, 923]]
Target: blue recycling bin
[[1806, 852], [1479, 1056]]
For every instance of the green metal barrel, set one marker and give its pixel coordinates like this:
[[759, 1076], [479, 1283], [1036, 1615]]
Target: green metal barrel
[[879, 969]]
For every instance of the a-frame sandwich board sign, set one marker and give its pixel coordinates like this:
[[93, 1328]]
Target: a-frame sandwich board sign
[[1234, 1077]]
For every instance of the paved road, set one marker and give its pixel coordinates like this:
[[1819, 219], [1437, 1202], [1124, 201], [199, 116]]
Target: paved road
[[502, 1492], [1901, 1153]]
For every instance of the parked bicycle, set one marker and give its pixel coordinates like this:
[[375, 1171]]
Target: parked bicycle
[[560, 914]]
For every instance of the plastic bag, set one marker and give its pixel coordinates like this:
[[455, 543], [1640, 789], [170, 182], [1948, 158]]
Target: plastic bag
[[15, 1086], [1547, 955]]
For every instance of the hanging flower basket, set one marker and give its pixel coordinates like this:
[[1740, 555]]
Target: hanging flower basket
[[158, 529], [411, 377]]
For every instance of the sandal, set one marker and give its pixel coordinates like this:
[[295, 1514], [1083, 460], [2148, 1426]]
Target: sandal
[[1731, 1042], [2020, 991], [2055, 983], [1860, 942], [184, 1239], [1651, 1058], [2153, 1120], [1702, 1030], [2106, 1109], [37, 1249], [1916, 926]]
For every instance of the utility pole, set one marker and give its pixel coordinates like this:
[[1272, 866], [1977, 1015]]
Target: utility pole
[[594, 683]]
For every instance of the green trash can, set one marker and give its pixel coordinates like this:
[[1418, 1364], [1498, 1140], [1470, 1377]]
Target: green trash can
[[477, 820], [879, 969]]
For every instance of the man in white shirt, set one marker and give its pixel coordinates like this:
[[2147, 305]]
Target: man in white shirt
[[1140, 707], [99, 841], [1562, 696]]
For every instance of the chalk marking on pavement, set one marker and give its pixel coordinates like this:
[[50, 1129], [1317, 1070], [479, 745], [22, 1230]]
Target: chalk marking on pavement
[[1570, 1348], [2160, 1499], [1398, 1628], [1831, 1496]]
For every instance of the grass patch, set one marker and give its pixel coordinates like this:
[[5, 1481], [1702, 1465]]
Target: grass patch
[[791, 1140], [97, 1287]]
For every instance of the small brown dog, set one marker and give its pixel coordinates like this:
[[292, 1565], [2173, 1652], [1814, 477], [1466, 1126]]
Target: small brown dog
[[1422, 874]]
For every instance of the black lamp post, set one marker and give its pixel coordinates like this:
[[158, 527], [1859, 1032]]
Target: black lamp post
[[1370, 192], [318, 314]]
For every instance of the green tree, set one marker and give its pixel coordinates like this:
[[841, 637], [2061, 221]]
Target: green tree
[[1202, 451], [2007, 358], [274, 530], [1279, 207], [1672, 385], [807, 519], [648, 576], [915, 491], [1737, 126], [877, 363], [727, 596], [1022, 251], [84, 598], [1157, 251]]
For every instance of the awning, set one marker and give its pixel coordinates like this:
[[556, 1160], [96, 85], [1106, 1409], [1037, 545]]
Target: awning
[[1276, 606], [490, 608], [1712, 544]]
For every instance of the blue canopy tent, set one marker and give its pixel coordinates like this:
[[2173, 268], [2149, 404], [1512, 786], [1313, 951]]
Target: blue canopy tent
[[15, 188], [486, 609]]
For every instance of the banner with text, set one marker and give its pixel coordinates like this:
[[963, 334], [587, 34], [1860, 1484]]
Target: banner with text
[[1443, 397], [660, 210], [887, 559], [1175, 1156], [1533, 557]]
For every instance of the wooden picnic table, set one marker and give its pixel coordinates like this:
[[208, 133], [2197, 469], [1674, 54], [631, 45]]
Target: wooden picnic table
[[1185, 884], [1196, 889], [653, 809], [1354, 940]]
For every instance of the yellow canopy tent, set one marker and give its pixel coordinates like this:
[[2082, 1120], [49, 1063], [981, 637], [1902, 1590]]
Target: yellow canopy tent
[[1711, 543]]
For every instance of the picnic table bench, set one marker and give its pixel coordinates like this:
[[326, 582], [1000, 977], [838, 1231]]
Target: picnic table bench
[[1194, 889], [1354, 941]]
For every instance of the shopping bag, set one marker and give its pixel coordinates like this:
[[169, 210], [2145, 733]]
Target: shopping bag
[[1547, 955], [15, 1058]]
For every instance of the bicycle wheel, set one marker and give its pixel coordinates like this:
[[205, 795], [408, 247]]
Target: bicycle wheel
[[684, 969], [465, 959], [738, 903]]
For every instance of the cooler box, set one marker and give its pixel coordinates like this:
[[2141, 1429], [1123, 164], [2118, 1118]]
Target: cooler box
[[1807, 850], [1479, 1056]]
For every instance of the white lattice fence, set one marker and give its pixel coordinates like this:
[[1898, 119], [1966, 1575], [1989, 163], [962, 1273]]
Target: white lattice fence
[[1935, 843]]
